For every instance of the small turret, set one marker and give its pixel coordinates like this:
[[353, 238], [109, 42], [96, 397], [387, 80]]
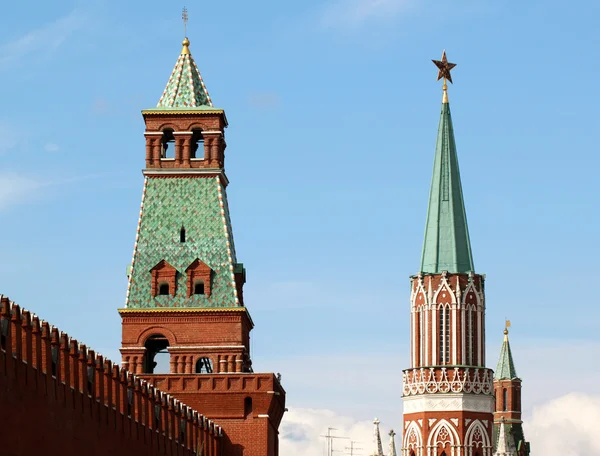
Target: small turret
[[392, 449], [509, 439], [378, 445]]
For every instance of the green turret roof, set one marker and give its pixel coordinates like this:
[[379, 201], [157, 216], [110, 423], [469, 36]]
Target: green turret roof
[[185, 88], [505, 370], [446, 246]]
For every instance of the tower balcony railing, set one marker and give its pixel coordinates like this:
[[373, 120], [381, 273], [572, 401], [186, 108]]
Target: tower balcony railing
[[450, 379]]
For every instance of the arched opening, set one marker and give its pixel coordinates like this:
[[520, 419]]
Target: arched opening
[[248, 407], [182, 234], [412, 453], [167, 144], [199, 287], [443, 453], [156, 360], [163, 289], [204, 365], [197, 145], [504, 399]]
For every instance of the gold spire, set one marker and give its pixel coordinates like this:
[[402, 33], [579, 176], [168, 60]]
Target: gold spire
[[445, 95]]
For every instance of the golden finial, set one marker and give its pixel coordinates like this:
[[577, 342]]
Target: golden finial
[[186, 42], [444, 68], [506, 326]]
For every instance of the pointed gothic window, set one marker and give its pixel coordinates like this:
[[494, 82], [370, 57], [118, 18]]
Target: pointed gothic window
[[182, 234], [444, 340], [470, 336]]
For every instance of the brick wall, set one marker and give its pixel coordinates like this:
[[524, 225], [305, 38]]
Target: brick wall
[[59, 398]]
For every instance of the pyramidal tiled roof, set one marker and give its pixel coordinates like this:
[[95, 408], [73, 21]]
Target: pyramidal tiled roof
[[505, 370], [185, 88], [446, 246]]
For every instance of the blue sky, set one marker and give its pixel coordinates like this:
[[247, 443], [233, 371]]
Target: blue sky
[[333, 110]]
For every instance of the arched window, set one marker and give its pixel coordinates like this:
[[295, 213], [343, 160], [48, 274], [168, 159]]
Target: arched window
[[156, 360], [182, 234], [444, 326], [197, 146], [470, 336], [248, 407], [204, 365], [167, 144], [199, 287], [163, 289], [504, 399]]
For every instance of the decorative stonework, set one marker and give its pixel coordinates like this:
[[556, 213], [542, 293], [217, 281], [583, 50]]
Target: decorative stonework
[[448, 402], [443, 380]]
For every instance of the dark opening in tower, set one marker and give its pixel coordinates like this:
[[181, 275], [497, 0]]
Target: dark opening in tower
[[167, 149], [156, 360], [163, 289], [197, 146], [204, 365]]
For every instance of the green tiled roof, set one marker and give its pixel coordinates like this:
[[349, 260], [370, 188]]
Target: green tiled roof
[[446, 246], [200, 206], [513, 436], [505, 370], [185, 88]]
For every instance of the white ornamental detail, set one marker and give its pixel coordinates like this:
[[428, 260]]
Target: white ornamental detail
[[443, 380]]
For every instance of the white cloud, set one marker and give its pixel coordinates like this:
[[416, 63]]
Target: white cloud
[[18, 188], [566, 426], [51, 147], [302, 429], [15, 188], [42, 41], [354, 12]]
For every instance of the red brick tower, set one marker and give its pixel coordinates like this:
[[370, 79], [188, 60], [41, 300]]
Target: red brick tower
[[185, 291], [509, 439], [447, 392]]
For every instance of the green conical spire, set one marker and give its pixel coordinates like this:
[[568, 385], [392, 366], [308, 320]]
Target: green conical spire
[[185, 88], [447, 246], [505, 370]]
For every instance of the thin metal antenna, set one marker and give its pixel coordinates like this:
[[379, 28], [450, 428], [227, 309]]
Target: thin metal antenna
[[184, 17], [329, 438]]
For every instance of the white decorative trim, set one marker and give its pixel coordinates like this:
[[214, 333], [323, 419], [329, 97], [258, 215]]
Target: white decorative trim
[[167, 159], [431, 421], [153, 133], [448, 402], [420, 421], [454, 421], [263, 416]]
